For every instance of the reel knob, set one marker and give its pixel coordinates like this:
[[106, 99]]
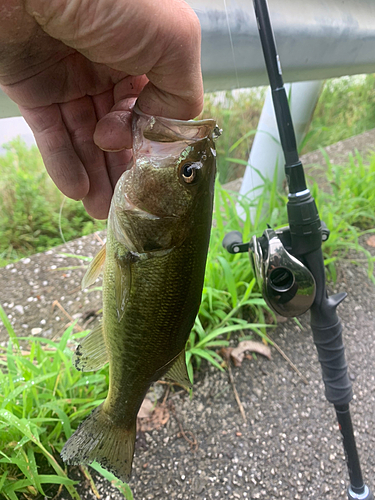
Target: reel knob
[[233, 243]]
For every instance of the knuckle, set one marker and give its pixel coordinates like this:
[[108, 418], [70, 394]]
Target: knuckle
[[190, 27]]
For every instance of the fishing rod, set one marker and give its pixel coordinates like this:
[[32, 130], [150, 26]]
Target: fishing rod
[[289, 267]]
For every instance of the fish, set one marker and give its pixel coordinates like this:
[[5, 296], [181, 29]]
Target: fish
[[153, 266]]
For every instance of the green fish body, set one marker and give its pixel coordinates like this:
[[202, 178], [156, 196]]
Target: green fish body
[[153, 271]]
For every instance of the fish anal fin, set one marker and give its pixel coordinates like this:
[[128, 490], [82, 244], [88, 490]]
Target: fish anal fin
[[91, 354], [100, 438], [94, 269], [178, 372]]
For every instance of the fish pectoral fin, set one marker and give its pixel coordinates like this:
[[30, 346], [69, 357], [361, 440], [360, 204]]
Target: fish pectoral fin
[[91, 354], [100, 438], [178, 372], [94, 269], [123, 280]]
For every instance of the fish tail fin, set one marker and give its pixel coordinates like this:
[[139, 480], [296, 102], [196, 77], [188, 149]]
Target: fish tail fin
[[99, 438]]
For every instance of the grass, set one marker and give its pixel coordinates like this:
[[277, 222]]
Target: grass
[[42, 397], [231, 301], [30, 203], [345, 108], [30, 207], [42, 401], [238, 115], [349, 209]]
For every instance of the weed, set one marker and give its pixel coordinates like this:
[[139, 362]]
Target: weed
[[231, 300], [42, 401], [345, 108], [30, 207], [238, 115], [349, 209]]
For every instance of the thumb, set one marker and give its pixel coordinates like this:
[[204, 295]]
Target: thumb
[[175, 88]]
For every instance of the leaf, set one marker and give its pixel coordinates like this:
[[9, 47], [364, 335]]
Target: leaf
[[122, 487], [74, 256], [23, 426], [208, 356], [8, 327], [146, 409], [50, 479], [2, 480], [34, 470], [371, 241], [24, 387], [158, 418], [63, 417], [238, 353], [229, 279], [225, 353]]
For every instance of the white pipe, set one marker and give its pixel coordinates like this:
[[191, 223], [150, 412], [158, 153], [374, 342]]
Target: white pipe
[[266, 152]]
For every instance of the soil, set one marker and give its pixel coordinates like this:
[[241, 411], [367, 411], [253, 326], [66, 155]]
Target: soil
[[290, 447]]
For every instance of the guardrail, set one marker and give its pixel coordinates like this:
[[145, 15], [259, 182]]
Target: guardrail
[[316, 39]]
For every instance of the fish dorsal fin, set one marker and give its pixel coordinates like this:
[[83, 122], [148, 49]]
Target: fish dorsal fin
[[94, 269], [91, 354], [178, 372], [122, 277]]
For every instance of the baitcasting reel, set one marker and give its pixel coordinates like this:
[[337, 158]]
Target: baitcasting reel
[[287, 285]]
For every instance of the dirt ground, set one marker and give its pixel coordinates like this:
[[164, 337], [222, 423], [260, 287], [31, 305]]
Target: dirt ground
[[290, 446]]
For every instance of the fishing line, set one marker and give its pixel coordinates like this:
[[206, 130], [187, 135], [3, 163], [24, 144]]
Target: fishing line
[[60, 217], [231, 44], [238, 88]]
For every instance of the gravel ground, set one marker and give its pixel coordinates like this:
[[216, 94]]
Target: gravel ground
[[289, 448]]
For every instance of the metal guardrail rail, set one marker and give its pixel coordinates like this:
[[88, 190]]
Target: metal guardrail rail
[[316, 39]]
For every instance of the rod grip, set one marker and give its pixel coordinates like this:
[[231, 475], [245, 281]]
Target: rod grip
[[331, 353]]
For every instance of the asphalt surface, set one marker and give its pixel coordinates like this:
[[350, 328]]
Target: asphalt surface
[[289, 448]]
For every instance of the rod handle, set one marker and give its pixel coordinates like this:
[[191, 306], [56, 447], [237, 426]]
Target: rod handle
[[329, 343]]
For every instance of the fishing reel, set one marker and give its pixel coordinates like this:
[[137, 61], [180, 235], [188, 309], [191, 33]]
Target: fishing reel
[[286, 283]]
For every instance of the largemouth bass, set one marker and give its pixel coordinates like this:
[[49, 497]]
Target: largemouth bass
[[153, 269]]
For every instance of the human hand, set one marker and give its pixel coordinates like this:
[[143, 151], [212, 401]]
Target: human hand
[[76, 67]]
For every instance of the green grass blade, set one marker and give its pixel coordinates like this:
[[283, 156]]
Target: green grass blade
[[206, 354], [230, 281], [25, 387], [8, 327], [122, 487]]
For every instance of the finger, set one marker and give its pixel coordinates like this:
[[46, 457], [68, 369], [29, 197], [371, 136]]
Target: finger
[[117, 163], [60, 158], [176, 87], [103, 103], [80, 119], [114, 130], [160, 39]]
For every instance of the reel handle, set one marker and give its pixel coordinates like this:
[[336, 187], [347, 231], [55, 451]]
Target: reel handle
[[233, 243]]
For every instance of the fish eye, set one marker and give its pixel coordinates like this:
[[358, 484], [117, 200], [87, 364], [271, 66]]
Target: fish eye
[[188, 172]]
